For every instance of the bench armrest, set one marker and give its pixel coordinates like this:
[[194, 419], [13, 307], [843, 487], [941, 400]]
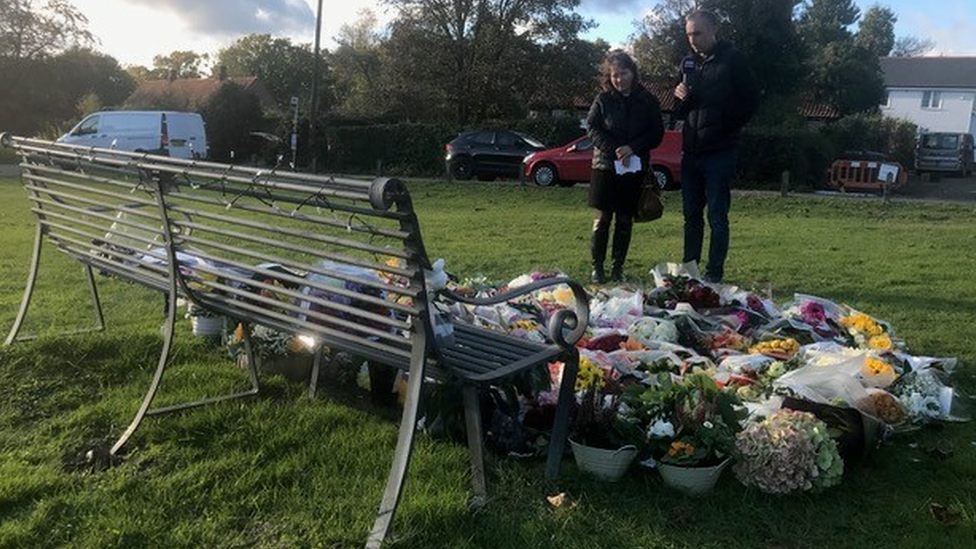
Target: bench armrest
[[566, 326]]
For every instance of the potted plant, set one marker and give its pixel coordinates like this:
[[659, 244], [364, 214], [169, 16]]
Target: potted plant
[[691, 425], [605, 439], [205, 322]]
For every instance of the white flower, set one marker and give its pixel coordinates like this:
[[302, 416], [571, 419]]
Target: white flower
[[661, 429], [707, 425]]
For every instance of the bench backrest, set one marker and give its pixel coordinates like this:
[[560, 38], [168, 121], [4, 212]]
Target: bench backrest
[[335, 258]]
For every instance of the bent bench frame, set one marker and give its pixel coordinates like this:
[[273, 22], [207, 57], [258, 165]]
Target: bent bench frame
[[340, 260]]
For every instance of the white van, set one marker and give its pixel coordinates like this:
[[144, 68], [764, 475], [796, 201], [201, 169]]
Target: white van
[[169, 133]]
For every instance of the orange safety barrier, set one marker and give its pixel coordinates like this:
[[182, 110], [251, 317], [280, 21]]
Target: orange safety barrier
[[865, 175]]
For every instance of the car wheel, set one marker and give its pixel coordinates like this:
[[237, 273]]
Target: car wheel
[[663, 178], [461, 168], [544, 175]]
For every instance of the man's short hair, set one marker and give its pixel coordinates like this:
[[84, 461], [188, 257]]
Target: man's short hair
[[708, 17]]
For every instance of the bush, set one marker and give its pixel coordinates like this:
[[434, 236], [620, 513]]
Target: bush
[[415, 149], [874, 132], [408, 149]]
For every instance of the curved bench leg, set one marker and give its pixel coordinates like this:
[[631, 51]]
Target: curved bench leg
[[472, 423], [29, 290], [157, 377], [560, 428], [401, 460]]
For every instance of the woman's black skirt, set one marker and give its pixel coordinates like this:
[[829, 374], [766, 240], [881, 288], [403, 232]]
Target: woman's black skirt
[[615, 193]]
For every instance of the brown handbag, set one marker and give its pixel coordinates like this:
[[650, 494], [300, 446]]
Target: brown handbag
[[649, 205]]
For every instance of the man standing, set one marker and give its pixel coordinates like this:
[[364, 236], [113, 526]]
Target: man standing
[[717, 95]]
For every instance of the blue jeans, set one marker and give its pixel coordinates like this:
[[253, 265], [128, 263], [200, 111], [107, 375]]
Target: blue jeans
[[706, 180]]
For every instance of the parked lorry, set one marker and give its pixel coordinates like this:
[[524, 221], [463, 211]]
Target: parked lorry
[[167, 133]]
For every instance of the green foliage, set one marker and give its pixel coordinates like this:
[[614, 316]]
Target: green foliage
[[876, 32], [285, 68], [231, 114], [48, 90], [874, 132], [418, 149], [34, 30], [408, 149]]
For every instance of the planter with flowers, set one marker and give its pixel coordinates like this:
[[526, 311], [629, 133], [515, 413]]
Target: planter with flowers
[[691, 427], [205, 323], [605, 439]]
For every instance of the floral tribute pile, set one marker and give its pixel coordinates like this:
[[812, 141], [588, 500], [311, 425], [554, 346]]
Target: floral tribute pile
[[695, 373]]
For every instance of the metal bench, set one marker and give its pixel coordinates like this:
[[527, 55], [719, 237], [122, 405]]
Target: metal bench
[[225, 238]]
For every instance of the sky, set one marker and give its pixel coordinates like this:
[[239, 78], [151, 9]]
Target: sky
[[133, 31]]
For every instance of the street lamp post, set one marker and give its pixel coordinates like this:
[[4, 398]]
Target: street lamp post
[[314, 110]]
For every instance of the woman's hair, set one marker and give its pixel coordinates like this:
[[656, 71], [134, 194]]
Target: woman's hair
[[620, 58]]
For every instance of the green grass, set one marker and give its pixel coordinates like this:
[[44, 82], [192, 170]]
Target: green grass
[[283, 471]]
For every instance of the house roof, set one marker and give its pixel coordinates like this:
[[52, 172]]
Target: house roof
[[194, 92], [929, 72]]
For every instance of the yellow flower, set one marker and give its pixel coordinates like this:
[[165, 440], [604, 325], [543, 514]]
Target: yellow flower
[[589, 375], [880, 342], [876, 367], [679, 448]]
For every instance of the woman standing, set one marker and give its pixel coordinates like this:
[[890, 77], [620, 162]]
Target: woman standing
[[624, 124]]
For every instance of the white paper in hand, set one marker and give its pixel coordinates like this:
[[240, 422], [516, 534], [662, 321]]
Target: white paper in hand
[[633, 166]]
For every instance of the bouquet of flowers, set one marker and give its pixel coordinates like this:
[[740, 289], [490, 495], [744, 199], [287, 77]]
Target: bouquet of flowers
[[788, 451], [689, 422]]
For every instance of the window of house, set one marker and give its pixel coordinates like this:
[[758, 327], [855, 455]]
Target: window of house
[[931, 100]]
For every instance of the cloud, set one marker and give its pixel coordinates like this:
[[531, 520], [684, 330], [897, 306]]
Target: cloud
[[237, 17], [614, 7]]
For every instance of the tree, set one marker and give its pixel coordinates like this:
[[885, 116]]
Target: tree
[[231, 115], [842, 72], [285, 68], [911, 46], [179, 64], [876, 32], [473, 54], [659, 42], [357, 65], [825, 22], [31, 30]]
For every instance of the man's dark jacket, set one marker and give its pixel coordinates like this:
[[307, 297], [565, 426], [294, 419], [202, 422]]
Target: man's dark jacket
[[723, 96], [616, 120]]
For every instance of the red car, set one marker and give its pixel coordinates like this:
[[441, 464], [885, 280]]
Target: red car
[[571, 163]]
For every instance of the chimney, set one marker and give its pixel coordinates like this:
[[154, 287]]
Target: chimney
[[171, 75], [222, 73]]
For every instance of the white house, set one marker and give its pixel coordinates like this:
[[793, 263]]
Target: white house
[[936, 93]]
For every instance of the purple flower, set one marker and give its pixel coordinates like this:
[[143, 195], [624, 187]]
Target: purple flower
[[813, 313]]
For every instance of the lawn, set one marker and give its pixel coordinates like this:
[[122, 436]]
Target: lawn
[[285, 471]]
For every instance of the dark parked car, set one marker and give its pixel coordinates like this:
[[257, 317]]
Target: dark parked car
[[570, 163], [488, 154]]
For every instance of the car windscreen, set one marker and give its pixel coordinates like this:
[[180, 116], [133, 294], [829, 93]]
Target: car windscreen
[[940, 141], [531, 141]]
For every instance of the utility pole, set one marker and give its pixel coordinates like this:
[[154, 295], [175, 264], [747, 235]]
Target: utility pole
[[314, 110]]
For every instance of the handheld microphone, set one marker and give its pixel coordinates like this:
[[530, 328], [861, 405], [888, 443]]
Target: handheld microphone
[[688, 68]]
